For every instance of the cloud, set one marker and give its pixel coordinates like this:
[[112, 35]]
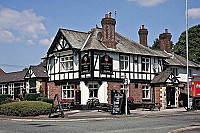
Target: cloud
[[25, 25], [30, 42], [8, 37], [45, 42], [148, 2], [194, 13]]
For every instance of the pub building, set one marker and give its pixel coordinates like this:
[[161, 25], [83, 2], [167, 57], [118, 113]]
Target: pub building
[[84, 65]]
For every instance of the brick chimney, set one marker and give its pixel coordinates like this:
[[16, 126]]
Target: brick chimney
[[165, 41], [108, 26], [143, 32]]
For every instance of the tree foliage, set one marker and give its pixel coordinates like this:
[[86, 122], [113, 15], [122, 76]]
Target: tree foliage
[[194, 44], [156, 44]]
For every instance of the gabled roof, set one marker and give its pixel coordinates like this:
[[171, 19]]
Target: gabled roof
[[12, 77], [162, 77], [85, 41], [177, 60], [39, 71]]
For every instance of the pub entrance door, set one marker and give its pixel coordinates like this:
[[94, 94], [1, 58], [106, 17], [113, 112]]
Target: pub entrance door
[[171, 97]]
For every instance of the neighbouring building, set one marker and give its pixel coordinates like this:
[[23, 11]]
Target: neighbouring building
[[1, 71], [12, 83]]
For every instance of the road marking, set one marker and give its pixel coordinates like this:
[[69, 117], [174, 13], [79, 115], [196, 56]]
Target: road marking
[[183, 129]]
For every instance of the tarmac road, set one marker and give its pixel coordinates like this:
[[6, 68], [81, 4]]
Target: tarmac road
[[188, 122]]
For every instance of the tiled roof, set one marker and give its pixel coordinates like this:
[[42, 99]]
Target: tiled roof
[[177, 60], [39, 71], [161, 77], [12, 77], [85, 41]]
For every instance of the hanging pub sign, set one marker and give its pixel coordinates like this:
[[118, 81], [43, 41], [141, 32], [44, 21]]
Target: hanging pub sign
[[106, 64], [117, 103], [85, 64]]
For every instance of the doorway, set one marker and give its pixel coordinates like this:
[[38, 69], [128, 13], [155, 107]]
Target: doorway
[[171, 97]]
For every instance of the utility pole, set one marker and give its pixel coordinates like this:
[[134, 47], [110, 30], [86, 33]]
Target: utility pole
[[187, 53]]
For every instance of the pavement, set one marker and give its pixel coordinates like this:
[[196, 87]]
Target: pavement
[[86, 115]]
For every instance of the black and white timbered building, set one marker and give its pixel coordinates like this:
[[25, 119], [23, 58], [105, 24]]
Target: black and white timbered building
[[83, 65]]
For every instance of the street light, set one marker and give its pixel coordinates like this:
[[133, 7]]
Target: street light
[[187, 53]]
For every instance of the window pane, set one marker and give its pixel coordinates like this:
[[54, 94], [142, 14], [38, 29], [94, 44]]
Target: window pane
[[126, 57], [95, 86], [90, 86], [121, 57], [68, 87], [122, 65], [147, 67], [95, 92], [72, 94], [143, 94], [143, 67], [126, 65], [91, 93], [143, 59], [147, 94], [68, 93]]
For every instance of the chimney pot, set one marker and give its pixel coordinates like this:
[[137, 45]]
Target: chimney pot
[[166, 30], [142, 26], [106, 15], [109, 16]]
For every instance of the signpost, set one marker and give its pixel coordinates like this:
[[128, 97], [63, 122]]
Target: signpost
[[117, 103], [126, 82]]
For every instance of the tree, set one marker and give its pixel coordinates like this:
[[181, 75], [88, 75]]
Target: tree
[[156, 44], [194, 44], [25, 69]]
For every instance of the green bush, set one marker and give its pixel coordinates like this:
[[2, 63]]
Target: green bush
[[31, 96], [4, 97], [25, 108], [45, 99]]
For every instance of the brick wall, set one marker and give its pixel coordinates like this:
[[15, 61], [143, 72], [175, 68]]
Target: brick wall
[[113, 86], [53, 89], [136, 93]]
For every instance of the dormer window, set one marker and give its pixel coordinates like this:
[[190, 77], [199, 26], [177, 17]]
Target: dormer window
[[66, 63]]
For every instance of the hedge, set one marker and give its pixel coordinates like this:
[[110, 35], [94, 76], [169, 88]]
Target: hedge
[[31, 96], [4, 97], [25, 108], [45, 99]]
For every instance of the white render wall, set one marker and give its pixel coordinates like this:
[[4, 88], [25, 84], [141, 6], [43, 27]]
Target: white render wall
[[84, 92]]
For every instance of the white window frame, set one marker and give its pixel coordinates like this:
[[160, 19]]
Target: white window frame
[[3, 88], [145, 89], [146, 63], [124, 62], [68, 89], [11, 89], [66, 63], [93, 87]]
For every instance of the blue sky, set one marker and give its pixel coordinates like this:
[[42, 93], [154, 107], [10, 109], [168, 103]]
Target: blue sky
[[27, 27]]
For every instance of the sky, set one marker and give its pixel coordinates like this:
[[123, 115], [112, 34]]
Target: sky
[[27, 27]]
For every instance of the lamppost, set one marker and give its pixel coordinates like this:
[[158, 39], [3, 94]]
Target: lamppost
[[187, 51], [126, 82]]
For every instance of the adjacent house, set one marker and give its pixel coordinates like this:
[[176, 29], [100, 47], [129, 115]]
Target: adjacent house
[[12, 83], [1, 71]]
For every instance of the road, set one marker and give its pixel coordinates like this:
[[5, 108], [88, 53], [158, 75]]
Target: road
[[145, 124]]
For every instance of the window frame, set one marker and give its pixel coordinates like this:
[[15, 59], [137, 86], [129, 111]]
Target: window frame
[[68, 89], [125, 62], [145, 89], [93, 89], [145, 62], [66, 63]]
